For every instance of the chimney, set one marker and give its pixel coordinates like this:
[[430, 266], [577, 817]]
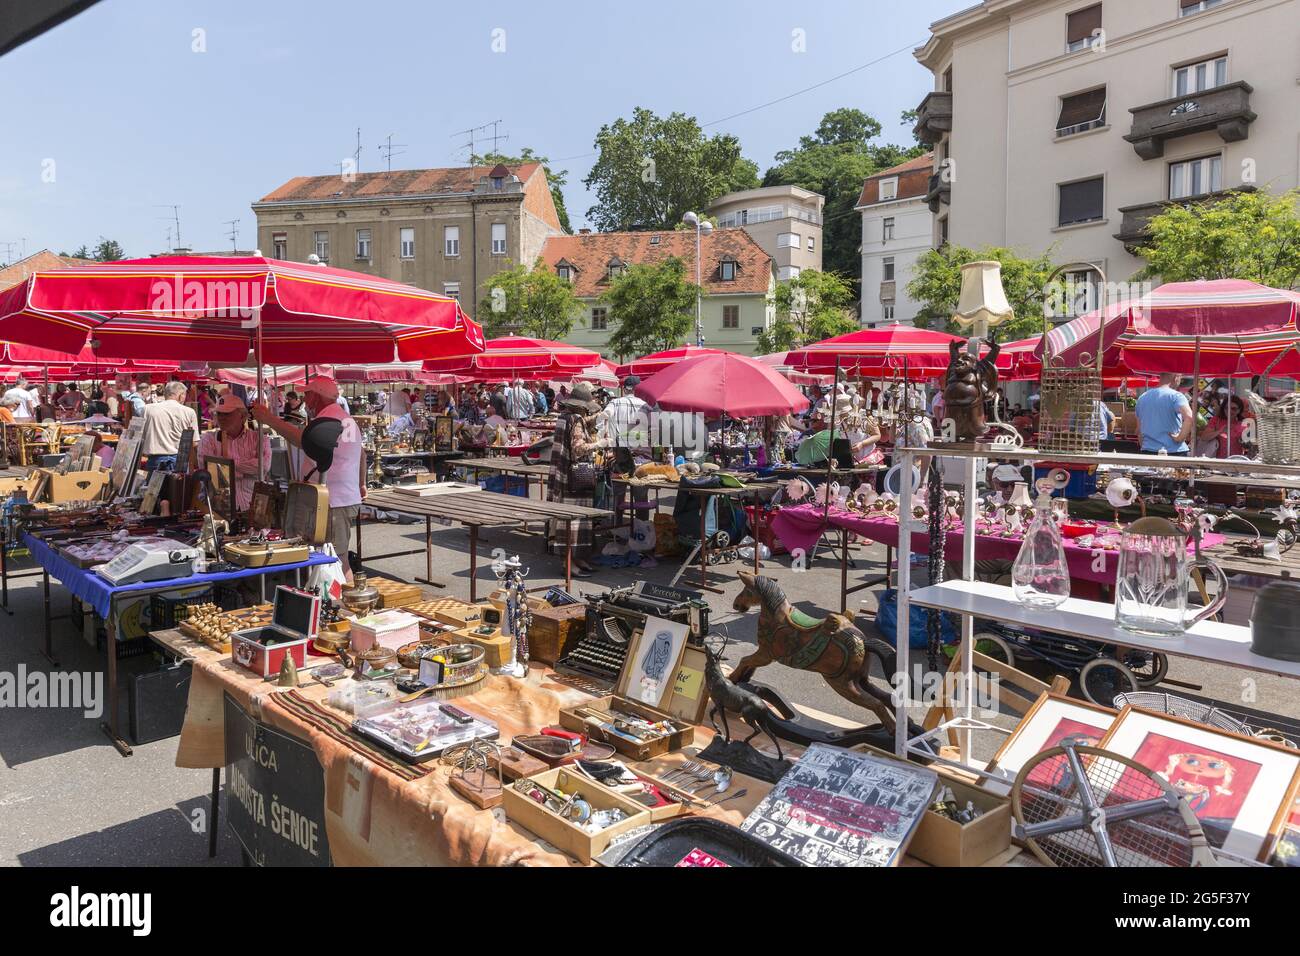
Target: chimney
[[584, 232]]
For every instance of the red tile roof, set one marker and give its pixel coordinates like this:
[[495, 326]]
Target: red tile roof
[[591, 254], [42, 261], [404, 182], [913, 180]]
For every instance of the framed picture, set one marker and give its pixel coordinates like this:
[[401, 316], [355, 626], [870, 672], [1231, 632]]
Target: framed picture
[[1237, 786], [222, 471], [442, 432], [837, 807], [653, 659], [1050, 720], [1286, 845]]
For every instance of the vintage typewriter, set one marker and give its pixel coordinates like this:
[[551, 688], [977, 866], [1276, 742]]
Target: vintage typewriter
[[615, 616]]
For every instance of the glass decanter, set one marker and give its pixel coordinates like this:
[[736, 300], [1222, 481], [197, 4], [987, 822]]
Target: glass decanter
[[1040, 578]]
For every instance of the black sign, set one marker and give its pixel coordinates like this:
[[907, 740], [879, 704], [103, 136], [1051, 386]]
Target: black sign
[[275, 793]]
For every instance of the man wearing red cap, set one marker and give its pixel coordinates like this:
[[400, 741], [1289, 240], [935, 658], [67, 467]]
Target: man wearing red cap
[[232, 438]]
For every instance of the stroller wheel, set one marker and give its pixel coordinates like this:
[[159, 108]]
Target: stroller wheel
[[1102, 678], [993, 645], [1148, 669]]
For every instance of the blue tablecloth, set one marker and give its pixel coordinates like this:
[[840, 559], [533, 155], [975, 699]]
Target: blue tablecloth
[[92, 589]]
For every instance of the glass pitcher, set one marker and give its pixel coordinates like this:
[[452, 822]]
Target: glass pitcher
[[1153, 577]]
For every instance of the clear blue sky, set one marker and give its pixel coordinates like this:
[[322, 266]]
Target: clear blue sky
[[133, 119]]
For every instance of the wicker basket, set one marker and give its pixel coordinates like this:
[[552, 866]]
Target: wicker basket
[[1277, 428], [1182, 707]]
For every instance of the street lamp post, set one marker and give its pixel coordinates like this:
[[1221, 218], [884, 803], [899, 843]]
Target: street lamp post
[[702, 227]]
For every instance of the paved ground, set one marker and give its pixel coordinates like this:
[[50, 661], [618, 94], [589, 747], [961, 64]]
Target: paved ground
[[66, 797]]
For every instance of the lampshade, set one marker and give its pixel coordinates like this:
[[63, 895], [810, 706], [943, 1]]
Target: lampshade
[[983, 300]]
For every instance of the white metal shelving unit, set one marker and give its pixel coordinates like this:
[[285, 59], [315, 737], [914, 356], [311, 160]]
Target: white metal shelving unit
[[1209, 641]]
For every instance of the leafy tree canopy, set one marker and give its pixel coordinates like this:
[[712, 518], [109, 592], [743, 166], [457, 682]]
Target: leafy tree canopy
[[652, 307], [534, 302], [936, 285], [810, 307]]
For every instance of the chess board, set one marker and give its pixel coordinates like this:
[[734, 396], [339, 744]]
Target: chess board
[[396, 593], [446, 611]]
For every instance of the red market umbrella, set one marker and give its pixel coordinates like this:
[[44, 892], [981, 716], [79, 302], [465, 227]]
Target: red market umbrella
[[218, 309], [604, 374], [1222, 327], [722, 384], [879, 352], [778, 361], [648, 365], [514, 355]]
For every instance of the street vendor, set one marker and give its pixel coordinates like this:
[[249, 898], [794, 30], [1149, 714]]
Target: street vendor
[[1164, 417], [339, 462], [232, 438]]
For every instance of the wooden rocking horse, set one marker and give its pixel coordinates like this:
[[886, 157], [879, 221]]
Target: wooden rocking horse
[[832, 646]]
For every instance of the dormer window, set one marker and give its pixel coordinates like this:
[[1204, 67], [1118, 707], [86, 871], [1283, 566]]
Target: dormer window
[[727, 270], [498, 184], [654, 240], [564, 273], [614, 268]]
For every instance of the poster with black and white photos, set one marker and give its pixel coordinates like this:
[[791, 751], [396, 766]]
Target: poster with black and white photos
[[839, 808]]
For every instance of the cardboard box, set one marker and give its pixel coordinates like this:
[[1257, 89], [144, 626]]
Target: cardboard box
[[563, 834], [635, 750], [77, 486], [554, 628], [943, 842]]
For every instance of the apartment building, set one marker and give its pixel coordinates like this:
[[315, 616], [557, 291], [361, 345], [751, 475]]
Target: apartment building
[[445, 230], [735, 273], [897, 229], [1071, 123], [785, 221]]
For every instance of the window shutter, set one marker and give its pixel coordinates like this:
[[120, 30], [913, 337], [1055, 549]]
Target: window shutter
[[1188, 3], [1081, 108], [1082, 23], [1081, 202]]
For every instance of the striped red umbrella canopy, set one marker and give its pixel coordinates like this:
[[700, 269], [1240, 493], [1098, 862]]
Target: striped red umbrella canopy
[[517, 356], [779, 362], [648, 365], [878, 352], [218, 309], [396, 372], [722, 384]]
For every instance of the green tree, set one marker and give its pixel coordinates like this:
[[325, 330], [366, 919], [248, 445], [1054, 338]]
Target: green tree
[[810, 307], [834, 161], [652, 170], [107, 250], [652, 307], [1245, 235], [556, 180], [936, 285], [534, 302]]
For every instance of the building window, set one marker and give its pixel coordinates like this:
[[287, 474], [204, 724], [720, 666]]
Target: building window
[[727, 270], [1080, 292], [786, 273], [498, 183], [1083, 201], [599, 320], [1081, 112], [451, 290], [498, 238], [322, 246], [1188, 7], [812, 244], [1082, 28], [1198, 77], [564, 272], [731, 316], [279, 245], [363, 243], [407, 241], [887, 229], [943, 232], [887, 269], [451, 241], [1195, 177], [789, 240], [889, 189], [614, 269], [887, 313]]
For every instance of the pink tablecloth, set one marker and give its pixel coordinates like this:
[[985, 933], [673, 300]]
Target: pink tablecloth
[[799, 527]]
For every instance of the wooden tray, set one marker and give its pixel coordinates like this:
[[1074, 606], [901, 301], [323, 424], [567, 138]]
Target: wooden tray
[[645, 750], [559, 832]]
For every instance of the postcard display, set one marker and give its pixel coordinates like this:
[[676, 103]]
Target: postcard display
[[1244, 791]]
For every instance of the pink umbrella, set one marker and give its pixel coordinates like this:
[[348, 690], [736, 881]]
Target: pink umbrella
[[880, 352], [604, 374], [722, 384], [512, 355], [648, 365], [777, 361]]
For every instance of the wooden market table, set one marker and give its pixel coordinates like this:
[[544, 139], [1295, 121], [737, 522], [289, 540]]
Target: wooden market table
[[504, 466], [476, 510], [384, 812]]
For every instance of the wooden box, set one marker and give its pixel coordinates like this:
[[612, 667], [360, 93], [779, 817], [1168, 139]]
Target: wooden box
[[570, 719], [396, 593], [553, 628], [77, 486], [559, 832], [496, 646], [943, 842]]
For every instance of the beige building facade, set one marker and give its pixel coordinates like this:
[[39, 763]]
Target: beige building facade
[[1071, 123], [445, 230], [785, 221]]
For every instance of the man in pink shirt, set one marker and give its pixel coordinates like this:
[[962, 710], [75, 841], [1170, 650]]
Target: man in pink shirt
[[232, 438]]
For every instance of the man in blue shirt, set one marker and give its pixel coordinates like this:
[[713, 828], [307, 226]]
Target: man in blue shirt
[[1164, 418]]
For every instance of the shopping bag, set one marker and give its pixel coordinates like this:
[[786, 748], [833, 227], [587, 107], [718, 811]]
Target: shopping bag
[[327, 580]]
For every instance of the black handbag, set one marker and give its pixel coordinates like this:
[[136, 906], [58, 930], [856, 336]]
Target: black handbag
[[582, 478]]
